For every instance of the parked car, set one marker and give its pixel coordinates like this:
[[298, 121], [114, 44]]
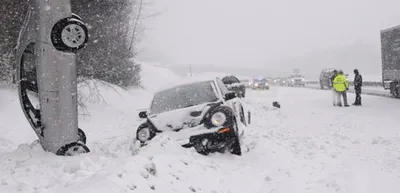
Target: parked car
[[260, 84], [325, 76], [283, 82], [296, 80], [234, 84], [201, 114]]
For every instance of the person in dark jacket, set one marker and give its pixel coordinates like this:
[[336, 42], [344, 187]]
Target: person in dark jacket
[[357, 87]]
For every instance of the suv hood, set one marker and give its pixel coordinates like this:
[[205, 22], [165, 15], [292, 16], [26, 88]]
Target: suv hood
[[178, 119]]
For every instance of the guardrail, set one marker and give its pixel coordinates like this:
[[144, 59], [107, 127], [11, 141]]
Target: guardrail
[[365, 83], [369, 88]]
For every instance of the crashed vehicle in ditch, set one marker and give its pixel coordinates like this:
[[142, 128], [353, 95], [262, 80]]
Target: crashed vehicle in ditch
[[202, 114]]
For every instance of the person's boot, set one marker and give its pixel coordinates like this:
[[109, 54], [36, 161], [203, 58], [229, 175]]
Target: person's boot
[[339, 104]]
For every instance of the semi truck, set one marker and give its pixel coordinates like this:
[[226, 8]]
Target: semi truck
[[390, 53]]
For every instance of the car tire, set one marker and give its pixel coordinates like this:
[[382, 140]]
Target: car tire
[[396, 93], [69, 34], [81, 136], [235, 147], [73, 149]]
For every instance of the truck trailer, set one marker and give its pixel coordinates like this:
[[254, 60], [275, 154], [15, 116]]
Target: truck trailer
[[390, 53]]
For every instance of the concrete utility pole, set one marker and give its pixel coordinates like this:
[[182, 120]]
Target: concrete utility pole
[[46, 65]]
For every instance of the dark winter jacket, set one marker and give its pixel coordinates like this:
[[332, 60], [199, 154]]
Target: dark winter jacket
[[333, 78], [358, 80]]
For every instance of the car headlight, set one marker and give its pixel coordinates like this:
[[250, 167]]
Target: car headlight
[[256, 84], [266, 84], [143, 134], [218, 119]]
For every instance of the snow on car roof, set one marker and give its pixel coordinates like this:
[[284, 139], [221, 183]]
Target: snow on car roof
[[330, 69], [187, 80]]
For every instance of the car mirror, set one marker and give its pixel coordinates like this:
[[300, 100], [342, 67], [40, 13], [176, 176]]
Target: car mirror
[[143, 114], [230, 95]]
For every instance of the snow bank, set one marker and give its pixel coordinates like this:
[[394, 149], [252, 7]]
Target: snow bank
[[212, 74], [155, 76], [221, 75], [306, 146], [109, 119], [168, 168]]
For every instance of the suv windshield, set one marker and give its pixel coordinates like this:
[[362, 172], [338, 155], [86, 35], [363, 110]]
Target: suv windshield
[[230, 80], [183, 96]]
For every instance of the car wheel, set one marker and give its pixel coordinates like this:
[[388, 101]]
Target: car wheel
[[69, 34], [81, 136], [200, 147], [235, 147], [73, 149], [396, 93]]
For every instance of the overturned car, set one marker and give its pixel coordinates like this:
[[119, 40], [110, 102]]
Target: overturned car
[[202, 114]]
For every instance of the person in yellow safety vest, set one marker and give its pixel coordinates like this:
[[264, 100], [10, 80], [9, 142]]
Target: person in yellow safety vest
[[341, 85]]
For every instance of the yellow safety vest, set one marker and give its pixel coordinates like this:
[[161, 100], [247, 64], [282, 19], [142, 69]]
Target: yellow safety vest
[[340, 83]]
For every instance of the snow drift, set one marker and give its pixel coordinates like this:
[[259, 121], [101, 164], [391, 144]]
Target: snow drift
[[155, 76]]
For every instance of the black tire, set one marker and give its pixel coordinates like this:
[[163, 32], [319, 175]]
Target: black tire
[[396, 93], [394, 90], [69, 24], [150, 127], [82, 136], [198, 146], [235, 147], [72, 149]]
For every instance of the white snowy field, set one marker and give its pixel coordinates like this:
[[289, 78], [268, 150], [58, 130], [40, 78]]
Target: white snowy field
[[306, 146]]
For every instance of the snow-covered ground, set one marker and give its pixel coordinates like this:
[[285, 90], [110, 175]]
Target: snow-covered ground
[[306, 146]]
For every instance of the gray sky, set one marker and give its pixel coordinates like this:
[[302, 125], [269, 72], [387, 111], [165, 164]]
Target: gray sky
[[265, 34]]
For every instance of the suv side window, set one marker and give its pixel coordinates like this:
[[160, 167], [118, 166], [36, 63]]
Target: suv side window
[[222, 86]]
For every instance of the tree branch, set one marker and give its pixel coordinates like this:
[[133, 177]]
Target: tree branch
[[136, 25]]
